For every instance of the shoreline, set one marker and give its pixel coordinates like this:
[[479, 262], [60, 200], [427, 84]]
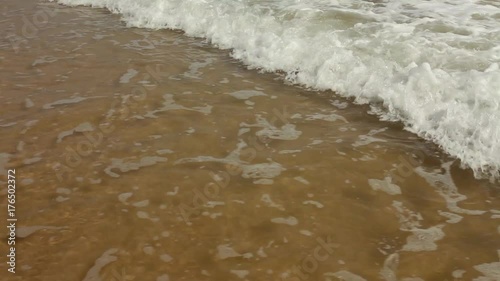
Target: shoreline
[[115, 132], [414, 92]]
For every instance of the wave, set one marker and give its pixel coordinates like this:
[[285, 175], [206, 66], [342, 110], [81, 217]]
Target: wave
[[432, 65]]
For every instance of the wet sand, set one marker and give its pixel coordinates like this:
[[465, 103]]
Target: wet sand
[[149, 155]]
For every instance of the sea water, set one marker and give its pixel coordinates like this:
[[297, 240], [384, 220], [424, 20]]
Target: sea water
[[433, 65]]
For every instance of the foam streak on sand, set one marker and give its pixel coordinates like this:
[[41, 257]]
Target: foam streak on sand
[[433, 65]]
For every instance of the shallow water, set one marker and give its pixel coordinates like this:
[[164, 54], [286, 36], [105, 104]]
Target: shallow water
[[433, 65], [149, 155]]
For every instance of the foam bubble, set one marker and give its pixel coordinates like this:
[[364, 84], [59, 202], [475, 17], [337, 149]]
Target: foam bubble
[[385, 185], [431, 64], [240, 273], [345, 275], [131, 73], [289, 221], [246, 94], [423, 239], [226, 251]]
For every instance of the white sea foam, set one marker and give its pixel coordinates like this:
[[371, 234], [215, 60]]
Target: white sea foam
[[431, 64]]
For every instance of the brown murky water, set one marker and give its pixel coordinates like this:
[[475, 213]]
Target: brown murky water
[[148, 155]]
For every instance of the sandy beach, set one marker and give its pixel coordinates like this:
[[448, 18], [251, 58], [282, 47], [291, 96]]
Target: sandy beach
[[149, 155]]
